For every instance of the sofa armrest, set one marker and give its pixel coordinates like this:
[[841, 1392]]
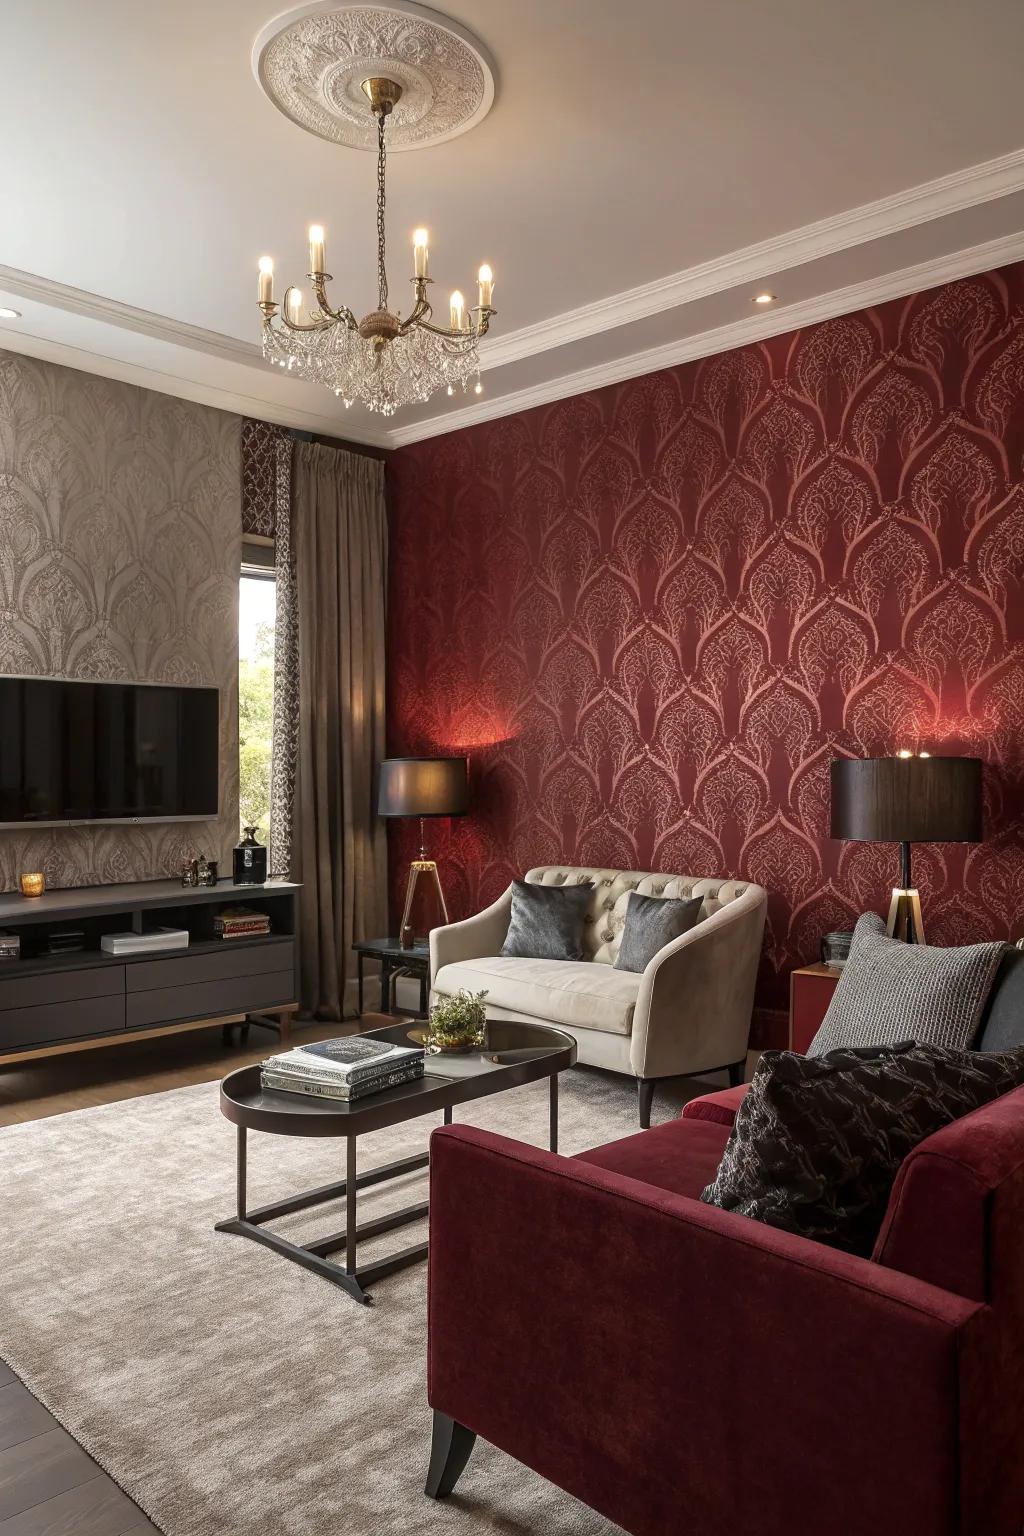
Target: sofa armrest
[[666, 1361], [696, 996], [719, 1108], [482, 934]]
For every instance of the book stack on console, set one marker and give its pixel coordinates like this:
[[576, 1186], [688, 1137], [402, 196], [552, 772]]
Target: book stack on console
[[10, 945], [240, 923], [346, 1069]]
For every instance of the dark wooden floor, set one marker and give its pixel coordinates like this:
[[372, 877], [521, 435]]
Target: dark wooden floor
[[81, 1079], [49, 1486]]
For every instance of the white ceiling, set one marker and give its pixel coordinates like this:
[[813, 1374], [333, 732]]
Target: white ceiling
[[646, 168]]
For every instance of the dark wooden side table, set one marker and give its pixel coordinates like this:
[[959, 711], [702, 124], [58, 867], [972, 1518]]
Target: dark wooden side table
[[394, 962]]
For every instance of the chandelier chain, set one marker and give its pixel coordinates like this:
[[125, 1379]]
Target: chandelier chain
[[382, 276], [380, 360]]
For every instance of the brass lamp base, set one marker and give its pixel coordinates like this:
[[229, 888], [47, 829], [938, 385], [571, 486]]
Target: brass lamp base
[[905, 916], [419, 867]]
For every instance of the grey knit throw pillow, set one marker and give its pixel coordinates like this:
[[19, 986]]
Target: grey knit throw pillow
[[891, 991]]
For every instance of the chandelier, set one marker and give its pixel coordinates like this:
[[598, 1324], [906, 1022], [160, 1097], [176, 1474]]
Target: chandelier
[[382, 360]]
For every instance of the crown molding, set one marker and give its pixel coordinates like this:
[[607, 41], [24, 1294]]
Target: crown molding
[[757, 327], [215, 395], [960, 190], [145, 322]]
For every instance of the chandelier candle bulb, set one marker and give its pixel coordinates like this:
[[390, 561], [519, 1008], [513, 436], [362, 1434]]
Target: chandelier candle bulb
[[420, 252], [376, 357]]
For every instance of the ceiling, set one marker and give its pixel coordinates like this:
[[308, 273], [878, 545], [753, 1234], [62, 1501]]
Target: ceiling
[[644, 171]]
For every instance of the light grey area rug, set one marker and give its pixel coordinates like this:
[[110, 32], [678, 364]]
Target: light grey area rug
[[228, 1391]]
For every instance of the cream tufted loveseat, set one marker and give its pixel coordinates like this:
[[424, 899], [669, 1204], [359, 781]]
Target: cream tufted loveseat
[[688, 1012]]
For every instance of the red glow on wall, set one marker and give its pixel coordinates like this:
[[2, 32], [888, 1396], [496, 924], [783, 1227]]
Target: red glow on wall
[[674, 600]]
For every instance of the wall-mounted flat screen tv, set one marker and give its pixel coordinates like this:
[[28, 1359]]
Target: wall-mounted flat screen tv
[[79, 752]]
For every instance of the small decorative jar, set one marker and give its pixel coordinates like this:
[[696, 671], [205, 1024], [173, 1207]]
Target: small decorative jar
[[249, 864], [33, 884]]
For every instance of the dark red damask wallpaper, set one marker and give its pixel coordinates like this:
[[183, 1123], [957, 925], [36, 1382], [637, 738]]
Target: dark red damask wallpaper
[[654, 613]]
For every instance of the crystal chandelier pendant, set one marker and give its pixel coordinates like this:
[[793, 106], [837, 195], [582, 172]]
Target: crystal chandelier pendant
[[383, 361]]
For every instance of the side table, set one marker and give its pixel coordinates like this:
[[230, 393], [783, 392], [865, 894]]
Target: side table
[[394, 962], [810, 992]]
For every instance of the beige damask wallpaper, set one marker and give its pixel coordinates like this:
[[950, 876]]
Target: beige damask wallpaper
[[120, 545]]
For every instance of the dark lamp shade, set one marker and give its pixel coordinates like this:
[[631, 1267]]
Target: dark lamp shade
[[907, 799], [423, 786]]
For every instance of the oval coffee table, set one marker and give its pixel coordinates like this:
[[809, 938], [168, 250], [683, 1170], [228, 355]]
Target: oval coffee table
[[513, 1053]]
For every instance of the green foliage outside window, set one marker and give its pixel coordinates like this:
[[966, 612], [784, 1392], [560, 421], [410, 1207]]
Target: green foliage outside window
[[255, 733]]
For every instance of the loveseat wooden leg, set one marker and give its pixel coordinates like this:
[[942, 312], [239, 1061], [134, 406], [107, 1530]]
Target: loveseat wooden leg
[[450, 1448], [737, 1071], [645, 1098]]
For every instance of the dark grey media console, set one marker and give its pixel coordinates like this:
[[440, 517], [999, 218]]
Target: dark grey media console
[[61, 1002]]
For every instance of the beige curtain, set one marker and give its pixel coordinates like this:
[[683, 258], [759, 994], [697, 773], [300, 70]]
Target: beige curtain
[[339, 851]]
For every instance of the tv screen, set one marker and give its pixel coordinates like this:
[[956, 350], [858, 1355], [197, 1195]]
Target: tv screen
[[106, 751]]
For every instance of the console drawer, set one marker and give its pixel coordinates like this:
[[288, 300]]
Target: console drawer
[[59, 986], [244, 959], [206, 999], [64, 1021]]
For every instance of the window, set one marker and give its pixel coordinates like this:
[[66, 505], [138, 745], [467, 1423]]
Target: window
[[256, 598]]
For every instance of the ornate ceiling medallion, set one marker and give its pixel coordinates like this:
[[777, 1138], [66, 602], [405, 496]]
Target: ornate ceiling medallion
[[359, 61], [312, 62]]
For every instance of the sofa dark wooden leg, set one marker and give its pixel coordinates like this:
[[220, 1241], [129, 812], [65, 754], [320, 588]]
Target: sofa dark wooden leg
[[450, 1448], [737, 1072], [645, 1098]]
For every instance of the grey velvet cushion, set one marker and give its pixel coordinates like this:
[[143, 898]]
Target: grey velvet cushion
[[651, 923], [891, 991], [1002, 1023], [547, 921]]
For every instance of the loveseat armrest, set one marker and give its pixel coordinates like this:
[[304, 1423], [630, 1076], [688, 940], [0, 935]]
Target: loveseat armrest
[[473, 937], [675, 1365], [696, 996]]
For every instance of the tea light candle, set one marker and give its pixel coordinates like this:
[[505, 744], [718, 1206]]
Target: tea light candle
[[33, 885]]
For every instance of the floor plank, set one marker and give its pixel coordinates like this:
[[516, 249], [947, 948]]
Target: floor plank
[[6, 1374], [83, 1079], [22, 1417], [96, 1508], [39, 1469]]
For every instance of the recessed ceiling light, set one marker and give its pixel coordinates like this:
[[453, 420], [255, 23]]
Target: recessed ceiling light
[[764, 298], [9, 314]]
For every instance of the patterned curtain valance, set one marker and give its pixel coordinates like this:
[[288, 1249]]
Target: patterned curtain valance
[[260, 483]]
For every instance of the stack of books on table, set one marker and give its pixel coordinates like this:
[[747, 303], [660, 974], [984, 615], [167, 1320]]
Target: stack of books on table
[[240, 923], [344, 1069]]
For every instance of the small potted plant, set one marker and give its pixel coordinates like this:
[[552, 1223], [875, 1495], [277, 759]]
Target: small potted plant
[[457, 1023]]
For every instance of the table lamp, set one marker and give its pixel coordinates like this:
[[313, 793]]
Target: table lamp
[[910, 798], [422, 787]]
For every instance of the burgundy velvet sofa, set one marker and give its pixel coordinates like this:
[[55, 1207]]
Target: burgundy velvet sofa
[[682, 1369]]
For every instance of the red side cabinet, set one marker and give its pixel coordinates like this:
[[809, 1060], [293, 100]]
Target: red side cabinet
[[810, 992]]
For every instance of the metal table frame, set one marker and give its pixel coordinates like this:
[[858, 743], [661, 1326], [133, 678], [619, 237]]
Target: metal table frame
[[351, 1276]]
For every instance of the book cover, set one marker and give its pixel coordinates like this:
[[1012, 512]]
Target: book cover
[[304, 1072], [350, 1059]]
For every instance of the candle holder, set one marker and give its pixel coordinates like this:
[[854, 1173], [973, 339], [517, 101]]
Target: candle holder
[[32, 884]]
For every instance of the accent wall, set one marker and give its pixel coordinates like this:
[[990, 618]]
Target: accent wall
[[120, 550], [654, 613]]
